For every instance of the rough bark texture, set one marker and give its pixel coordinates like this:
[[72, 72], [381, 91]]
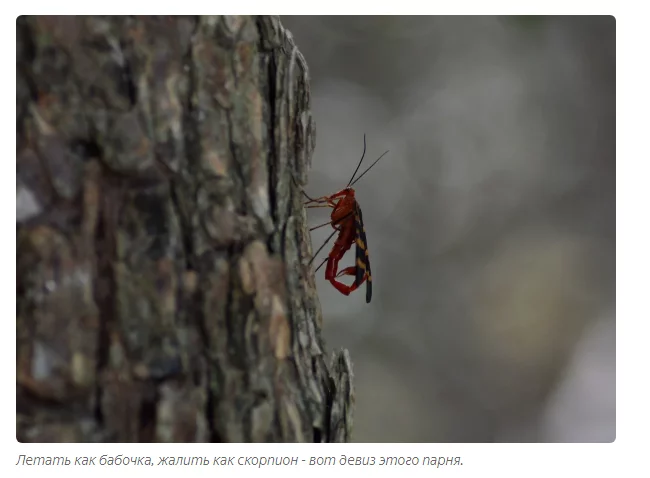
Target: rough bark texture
[[163, 292]]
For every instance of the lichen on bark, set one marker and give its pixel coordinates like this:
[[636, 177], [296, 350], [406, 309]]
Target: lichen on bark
[[163, 287]]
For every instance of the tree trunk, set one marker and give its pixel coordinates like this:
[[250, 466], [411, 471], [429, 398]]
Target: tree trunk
[[163, 292]]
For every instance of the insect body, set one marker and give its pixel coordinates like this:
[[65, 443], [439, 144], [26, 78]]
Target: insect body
[[347, 221], [353, 231]]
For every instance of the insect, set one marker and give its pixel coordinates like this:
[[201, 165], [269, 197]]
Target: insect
[[347, 221]]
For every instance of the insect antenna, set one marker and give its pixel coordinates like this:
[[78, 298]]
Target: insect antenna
[[360, 161], [369, 167]]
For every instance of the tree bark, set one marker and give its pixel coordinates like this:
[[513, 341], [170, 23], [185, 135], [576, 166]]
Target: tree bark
[[162, 286]]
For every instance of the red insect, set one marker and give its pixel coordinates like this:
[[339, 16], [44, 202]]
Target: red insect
[[347, 221]]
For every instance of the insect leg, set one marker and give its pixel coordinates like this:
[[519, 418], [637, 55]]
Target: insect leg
[[295, 182], [329, 238], [343, 288], [348, 271], [352, 271], [321, 247], [321, 265], [321, 225], [331, 274]]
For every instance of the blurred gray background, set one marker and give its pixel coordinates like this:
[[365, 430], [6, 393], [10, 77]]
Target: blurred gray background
[[491, 222]]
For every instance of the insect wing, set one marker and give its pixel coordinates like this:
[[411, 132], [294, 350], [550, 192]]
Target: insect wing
[[362, 260]]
